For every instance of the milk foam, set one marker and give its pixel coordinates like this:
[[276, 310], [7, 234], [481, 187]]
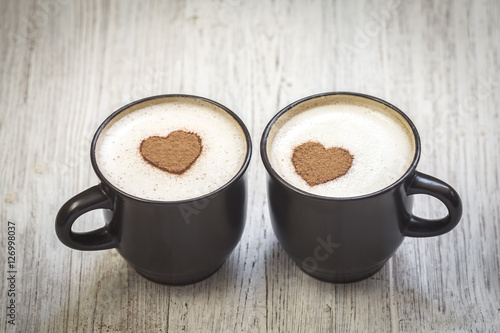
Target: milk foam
[[380, 140], [119, 159]]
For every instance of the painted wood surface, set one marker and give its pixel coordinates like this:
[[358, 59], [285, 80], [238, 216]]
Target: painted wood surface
[[66, 65]]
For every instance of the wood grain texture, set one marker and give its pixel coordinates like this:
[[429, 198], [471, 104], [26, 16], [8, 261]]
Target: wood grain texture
[[66, 65]]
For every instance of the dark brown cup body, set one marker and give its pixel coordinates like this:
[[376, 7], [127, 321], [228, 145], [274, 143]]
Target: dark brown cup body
[[349, 239], [171, 242]]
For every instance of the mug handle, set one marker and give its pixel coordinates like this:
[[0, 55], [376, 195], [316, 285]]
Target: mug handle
[[425, 184], [90, 199]]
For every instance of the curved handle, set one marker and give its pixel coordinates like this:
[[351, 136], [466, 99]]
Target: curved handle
[[425, 184], [90, 199]]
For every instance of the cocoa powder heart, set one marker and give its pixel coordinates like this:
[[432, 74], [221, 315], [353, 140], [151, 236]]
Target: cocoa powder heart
[[174, 153], [318, 165]]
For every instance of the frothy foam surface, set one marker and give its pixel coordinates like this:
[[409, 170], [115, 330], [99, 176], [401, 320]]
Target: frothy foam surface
[[380, 140], [120, 161]]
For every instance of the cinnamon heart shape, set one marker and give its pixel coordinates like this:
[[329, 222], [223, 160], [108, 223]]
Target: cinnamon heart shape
[[174, 153], [318, 165]]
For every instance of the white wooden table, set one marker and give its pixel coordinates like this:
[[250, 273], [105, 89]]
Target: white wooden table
[[66, 65]]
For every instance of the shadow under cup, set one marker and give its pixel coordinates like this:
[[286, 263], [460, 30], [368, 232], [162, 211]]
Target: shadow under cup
[[171, 242], [346, 239]]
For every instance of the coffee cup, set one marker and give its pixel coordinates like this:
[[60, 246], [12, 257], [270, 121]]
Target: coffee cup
[[341, 178], [172, 187]]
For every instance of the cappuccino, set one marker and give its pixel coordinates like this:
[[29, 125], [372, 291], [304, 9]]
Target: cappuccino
[[341, 146], [171, 148]]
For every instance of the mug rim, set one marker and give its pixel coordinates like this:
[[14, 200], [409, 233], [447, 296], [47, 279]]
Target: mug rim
[[283, 182], [233, 179]]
